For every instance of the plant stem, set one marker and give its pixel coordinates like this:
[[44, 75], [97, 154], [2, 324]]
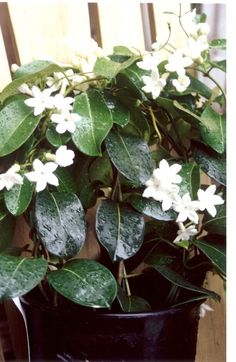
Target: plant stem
[[154, 122], [126, 281]]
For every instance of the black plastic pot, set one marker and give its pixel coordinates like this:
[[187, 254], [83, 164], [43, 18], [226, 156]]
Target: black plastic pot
[[63, 335]]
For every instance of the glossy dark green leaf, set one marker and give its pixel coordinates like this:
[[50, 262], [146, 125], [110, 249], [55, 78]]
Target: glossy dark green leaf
[[131, 156], [168, 105], [18, 198], [120, 114], [60, 223], [19, 275], [119, 229], [177, 279], [213, 129], [17, 123], [88, 195], [85, 282], [212, 163], [101, 170], [131, 78], [28, 73], [66, 181], [95, 122], [188, 115], [132, 303], [7, 229], [109, 69], [56, 139], [217, 44], [150, 207], [190, 183], [216, 225], [3, 209], [215, 252], [137, 126]]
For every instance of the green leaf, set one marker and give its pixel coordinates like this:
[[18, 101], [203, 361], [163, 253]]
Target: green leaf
[[187, 114], [150, 207], [168, 105], [216, 225], [220, 64], [137, 126], [196, 86], [95, 122], [132, 303], [7, 229], [215, 252], [109, 69], [213, 129], [85, 282], [131, 156], [66, 181], [17, 123], [101, 170], [18, 198], [218, 44], [57, 139], [120, 114], [122, 50], [119, 229], [212, 163], [88, 195], [60, 223], [29, 73], [3, 209], [173, 277], [190, 183], [19, 275]]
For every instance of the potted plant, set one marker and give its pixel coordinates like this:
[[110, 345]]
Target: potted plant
[[114, 151]]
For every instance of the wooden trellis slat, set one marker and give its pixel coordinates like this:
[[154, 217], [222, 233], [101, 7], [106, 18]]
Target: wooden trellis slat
[[5, 75]]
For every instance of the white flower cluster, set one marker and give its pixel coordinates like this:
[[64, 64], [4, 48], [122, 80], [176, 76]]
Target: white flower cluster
[[178, 60], [162, 186], [42, 173]]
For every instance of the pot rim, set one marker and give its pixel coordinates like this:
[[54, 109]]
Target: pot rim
[[90, 312]]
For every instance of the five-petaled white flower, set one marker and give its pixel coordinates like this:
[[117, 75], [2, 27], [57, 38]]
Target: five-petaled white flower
[[11, 178], [40, 101], [63, 157], [63, 104], [185, 233], [204, 308], [149, 62], [186, 208], [195, 47], [207, 200], [43, 174], [65, 121], [153, 84], [182, 83], [161, 185], [177, 62]]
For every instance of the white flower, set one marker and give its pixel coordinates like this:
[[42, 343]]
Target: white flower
[[203, 28], [149, 62], [196, 47], [41, 100], [185, 233], [177, 62], [59, 81], [86, 57], [11, 178], [188, 22], [166, 195], [204, 308], [153, 84], [161, 184], [64, 157], [182, 83], [207, 200], [14, 67], [167, 174], [186, 208], [62, 104], [43, 174], [24, 88], [65, 121]]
